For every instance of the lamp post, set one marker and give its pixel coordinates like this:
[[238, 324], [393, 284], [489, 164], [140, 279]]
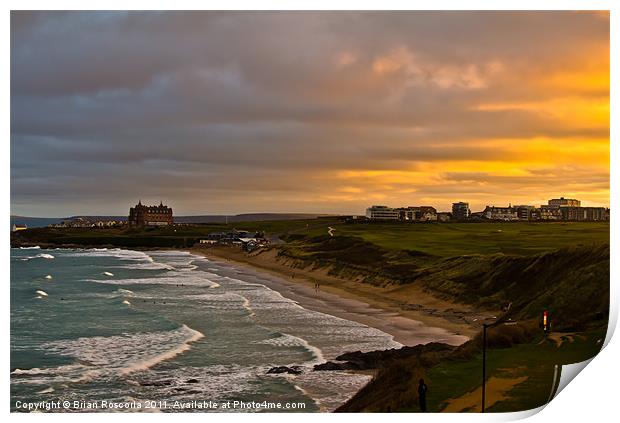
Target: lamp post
[[484, 362]]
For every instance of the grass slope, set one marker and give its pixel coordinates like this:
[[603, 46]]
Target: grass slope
[[523, 358]]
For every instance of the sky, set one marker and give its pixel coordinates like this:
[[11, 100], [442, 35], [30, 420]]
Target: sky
[[317, 112]]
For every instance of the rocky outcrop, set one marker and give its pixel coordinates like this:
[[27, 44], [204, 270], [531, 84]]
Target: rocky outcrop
[[377, 359]]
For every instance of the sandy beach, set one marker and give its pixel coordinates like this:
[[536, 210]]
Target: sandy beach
[[390, 310]]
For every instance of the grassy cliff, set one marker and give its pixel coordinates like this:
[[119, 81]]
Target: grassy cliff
[[571, 282]]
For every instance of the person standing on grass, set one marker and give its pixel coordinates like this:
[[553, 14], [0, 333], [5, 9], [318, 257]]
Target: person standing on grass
[[422, 388]]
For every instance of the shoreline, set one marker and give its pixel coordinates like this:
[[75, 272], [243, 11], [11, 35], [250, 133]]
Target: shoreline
[[362, 303], [428, 320]]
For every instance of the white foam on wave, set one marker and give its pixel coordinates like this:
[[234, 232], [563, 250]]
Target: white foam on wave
[[33, 371], [107, 273], [333, 335], [40, 255], [48, 277], [224, 300], [125, 255], [177, 259], [248, 307], [46, 376], [126, 302], [41, 293], [189, 278], [330, 390], [46, 391], [113, 356], [146, 266], [286, 340], [36, 247], [148, 363]]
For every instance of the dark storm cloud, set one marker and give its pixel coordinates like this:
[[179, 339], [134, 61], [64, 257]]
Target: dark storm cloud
[[205, 107]]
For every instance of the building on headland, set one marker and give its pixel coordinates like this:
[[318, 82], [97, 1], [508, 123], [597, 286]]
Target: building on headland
[[19, 227], [584, 213], [500, 213], [510, 213], [444, 216], [526, 212], [382, 213], [564, 202], [417, 213], [460, 211], [550, 213], [404, 214], [141, 215]]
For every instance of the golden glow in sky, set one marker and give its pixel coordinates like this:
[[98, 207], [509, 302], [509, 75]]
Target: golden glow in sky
[[320, 112]]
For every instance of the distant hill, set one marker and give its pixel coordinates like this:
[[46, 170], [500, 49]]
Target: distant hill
[[247, 217], [40, 222]]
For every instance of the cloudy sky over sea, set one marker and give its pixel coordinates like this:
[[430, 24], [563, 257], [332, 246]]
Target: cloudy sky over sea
[[232, 112]]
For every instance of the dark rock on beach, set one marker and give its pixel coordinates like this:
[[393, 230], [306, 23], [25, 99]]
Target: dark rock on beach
[[376, 359], [156, 383], [293, 370]]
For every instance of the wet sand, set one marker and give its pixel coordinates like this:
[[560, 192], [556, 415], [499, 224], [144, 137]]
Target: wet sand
[[300, 288]]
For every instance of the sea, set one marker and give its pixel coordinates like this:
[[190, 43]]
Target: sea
[[158, 329]]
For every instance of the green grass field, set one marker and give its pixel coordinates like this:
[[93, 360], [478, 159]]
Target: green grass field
[[452, 239]]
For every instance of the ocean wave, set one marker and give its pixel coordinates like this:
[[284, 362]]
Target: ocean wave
[[333, 334], [146, 266], [224, 300], [113, 356], [190, 278], [177, 259], [36, 247], [40, 255], [33, 371], [247, 306], [217, 382], [329, 390], [47, 376], [286, 340], [129, 255]]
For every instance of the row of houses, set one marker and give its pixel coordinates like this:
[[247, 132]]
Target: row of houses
[[556, 209], [530, 213], [82, 222]]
